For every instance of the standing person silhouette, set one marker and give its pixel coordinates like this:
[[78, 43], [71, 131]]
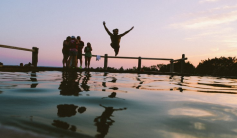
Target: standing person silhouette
[[65, 50], [88, 55], [115, 38], [80, 47]]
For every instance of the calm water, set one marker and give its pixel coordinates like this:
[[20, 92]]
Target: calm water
[[115, 105]]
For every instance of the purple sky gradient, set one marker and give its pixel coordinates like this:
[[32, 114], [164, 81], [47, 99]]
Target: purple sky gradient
[[200, 29]]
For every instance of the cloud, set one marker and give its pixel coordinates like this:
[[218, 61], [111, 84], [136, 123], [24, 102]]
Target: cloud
[[214, 49], [212, 11], [209, 17], [230, 40], [215, 32], [203, 1], [225, 8], [202, 22]]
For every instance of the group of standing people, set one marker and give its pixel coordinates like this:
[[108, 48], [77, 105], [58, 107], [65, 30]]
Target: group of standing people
[[72, 52], [72, 48]]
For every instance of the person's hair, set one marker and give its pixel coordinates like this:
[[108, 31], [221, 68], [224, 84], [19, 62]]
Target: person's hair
[[89, 43], [68, 38], [78, 37], [115, 30]]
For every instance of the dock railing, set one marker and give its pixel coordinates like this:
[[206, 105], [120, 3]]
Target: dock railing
[[144, 58], [34, 51]]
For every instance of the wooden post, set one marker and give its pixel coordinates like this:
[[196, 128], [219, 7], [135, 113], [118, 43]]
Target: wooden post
[[172, 65], [182, 64], [139, 64], [35, 56], [105, 61]]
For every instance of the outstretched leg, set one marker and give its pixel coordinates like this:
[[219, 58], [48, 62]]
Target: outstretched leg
[[89, 60], [86, 61], [116, 48]]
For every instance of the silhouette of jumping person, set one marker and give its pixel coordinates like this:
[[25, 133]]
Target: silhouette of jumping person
[[115, 38], [104, 121]]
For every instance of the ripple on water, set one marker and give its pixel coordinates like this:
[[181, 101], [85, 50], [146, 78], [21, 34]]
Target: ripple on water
[[190, 112], [118, 105]]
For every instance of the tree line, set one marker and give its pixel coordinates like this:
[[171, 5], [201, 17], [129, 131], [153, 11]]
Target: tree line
[[222, 66]]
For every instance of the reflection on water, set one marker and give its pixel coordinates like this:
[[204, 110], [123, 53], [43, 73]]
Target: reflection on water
[[70, 84], [104, 121], [63, 125], [65, 110], [112, 95], [85, 79], [85, 104], [68, 110], [189, 112], [33, 78]]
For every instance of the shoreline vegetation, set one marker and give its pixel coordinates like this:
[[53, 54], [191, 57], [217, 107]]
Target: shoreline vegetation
[[223, 66], [14, 68]]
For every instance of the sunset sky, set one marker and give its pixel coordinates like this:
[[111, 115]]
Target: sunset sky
[[200, 29]]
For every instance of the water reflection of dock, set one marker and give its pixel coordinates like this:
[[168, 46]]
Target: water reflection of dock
[[9, 68], [35, 67]]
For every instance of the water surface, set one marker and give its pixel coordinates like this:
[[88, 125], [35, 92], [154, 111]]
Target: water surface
[[116, 105]]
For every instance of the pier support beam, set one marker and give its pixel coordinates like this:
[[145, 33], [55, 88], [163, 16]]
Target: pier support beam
[[105, 61], [182, 63], [139, 64], [35, 51], [172, 65]]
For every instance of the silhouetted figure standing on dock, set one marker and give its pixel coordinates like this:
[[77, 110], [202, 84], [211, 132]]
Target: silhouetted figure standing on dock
[[88, 55], [73, 48], [65, 50], [80, 47], [115, 38]]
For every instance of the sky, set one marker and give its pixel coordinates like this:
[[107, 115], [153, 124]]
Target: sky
[[200, 29]]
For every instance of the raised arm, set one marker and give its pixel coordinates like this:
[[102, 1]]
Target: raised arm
[[127, 31], [102, 106], [120, 109], [107, 30]]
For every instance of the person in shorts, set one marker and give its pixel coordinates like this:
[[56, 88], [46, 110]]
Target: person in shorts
[[88, 55], [115, 38], [73, 50], [80, 47], [65, 50]]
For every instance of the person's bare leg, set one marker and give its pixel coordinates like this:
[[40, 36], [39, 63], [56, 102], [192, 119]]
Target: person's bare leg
[[85, 62], [65, 62], [75, 59], [77, 62], [81, 62], [116, 50], [68, 62], [89, 60]]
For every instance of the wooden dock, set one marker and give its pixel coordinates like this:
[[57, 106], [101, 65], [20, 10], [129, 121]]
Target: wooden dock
[[35, 67], [10, 68]]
